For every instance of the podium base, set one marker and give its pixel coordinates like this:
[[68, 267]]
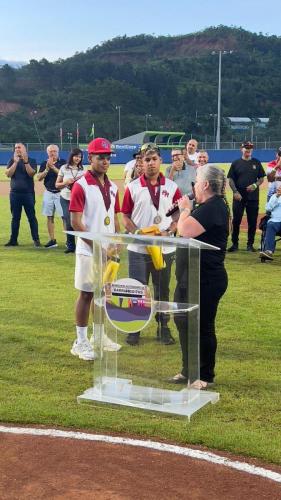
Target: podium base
[[122, 392]]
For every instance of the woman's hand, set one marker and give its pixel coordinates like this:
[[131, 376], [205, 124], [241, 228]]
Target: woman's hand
[[184, 202]]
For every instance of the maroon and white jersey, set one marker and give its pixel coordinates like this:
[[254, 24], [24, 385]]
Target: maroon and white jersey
[[87, 199], [138, 205]]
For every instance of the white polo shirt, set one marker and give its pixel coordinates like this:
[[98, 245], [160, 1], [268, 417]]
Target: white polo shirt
[[138, 205], [87, 199]]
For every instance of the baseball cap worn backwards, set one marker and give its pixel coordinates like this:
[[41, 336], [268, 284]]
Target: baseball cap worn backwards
[[99, 145], [247, 145]]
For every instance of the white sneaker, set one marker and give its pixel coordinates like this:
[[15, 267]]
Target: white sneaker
[[83, 350], [107, 344]]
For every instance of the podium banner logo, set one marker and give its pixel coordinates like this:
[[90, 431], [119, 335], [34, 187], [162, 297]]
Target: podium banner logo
[[128, 304]]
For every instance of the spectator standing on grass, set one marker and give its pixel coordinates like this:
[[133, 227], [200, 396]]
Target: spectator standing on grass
[[180, 172], [128, 169], [68, 174], [94, 206], [245, 177], [203, 158], [273, 173], [191, 153], [138, 169], [48, 173], [21, 170]]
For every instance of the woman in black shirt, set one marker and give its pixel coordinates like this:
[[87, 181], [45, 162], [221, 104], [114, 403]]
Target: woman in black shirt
[[209, 223]]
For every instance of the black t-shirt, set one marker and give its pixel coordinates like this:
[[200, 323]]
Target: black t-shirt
[[214, 217], [246, 172], [51, 177], [21, 182]]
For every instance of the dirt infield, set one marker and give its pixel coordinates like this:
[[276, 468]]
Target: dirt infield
[[58, 468]]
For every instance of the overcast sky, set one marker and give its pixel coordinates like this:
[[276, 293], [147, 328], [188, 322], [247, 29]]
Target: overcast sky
[[58, 28]]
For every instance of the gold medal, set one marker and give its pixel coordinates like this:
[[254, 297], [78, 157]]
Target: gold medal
[[106, 221]]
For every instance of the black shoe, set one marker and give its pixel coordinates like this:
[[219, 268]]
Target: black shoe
[[11, 244], [250, 248], [133, 338], [164, 335], [51, 244], [37, 243], [178, 379], [70, 250], [233, 248]]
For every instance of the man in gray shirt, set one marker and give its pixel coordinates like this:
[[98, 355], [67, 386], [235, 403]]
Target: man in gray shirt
[[180, 172]]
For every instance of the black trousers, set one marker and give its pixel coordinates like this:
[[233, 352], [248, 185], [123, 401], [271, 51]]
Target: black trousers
[[211, 291], [252, 210], [141, 267], [18, 201]]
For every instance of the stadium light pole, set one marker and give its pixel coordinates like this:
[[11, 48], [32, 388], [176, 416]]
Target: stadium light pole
[[146, 120], [119, 121], [218, 134], [33, 115]]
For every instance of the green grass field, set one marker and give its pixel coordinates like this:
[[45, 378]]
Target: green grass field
[[40, 379]]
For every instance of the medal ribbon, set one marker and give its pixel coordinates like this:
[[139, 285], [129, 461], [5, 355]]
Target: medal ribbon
[[104, 189], [155, 196]]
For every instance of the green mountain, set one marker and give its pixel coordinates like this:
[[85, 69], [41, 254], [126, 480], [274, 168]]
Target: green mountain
[[173, 79]]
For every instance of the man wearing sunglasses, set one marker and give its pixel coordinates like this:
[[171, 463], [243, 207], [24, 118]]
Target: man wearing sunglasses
[[245, 176], [94, 205]]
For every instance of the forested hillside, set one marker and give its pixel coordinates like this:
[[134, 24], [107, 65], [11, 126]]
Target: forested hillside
[[173, 79]]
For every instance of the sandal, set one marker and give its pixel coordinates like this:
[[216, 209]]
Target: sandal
[[200, 384]]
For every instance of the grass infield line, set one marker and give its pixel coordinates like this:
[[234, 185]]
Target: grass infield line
[[152, 445]]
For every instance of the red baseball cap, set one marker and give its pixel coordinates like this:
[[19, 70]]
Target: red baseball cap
[[99, 145]]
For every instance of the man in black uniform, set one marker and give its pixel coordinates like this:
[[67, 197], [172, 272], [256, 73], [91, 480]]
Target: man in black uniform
[[245, 176], [21, 170]]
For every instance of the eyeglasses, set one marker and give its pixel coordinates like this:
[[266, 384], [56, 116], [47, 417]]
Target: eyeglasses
[[104, 156], [174, 157]]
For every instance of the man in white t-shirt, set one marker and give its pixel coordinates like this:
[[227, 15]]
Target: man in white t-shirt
[[191, 153], [146, 202], [128, 169], [94, 205]]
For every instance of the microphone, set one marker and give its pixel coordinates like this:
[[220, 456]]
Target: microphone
[[175, 206]]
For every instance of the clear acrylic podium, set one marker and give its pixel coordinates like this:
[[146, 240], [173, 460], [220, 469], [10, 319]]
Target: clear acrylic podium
[[138, 375]]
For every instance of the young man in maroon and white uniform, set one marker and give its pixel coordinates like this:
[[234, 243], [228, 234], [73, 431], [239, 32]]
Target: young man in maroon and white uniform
[[146, 202], [94, 205]]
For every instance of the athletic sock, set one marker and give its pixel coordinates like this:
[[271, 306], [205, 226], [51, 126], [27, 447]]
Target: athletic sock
[[82, 332]]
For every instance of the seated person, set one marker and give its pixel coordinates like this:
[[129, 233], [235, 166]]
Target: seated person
[[273, 226], [273, 173]]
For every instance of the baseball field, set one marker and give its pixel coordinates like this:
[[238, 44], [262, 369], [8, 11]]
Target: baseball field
[[40, 379]]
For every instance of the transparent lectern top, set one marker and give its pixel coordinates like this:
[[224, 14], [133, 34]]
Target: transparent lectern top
[[139, 239]]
